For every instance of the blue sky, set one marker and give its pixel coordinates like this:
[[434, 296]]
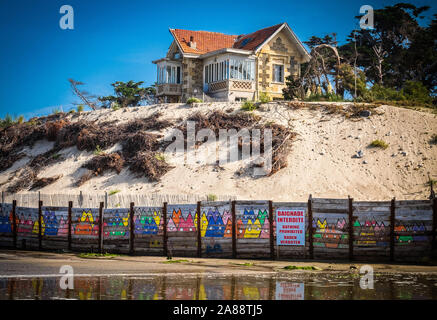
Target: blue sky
[[117, 40]]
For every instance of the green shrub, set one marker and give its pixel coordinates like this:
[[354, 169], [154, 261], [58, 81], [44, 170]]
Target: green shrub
[[115, 106], [160, 157], [301, 268], [98, 151], [264, 97], [80, 108], [20, 119], [379, 144], [193, 100], [211, 197], [416, 91], [413, 93], [7, 121], [248, 106], [325, 97], [112, 192]]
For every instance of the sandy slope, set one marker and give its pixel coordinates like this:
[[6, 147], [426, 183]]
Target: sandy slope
[[320, 162]]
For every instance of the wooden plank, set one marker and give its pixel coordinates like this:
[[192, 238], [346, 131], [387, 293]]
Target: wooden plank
[[70, 206], [40, 219], [14, 222], [102, 204], [351, 229], [132, 229], [234, 230], [289, 204], [323, 210], [199, 231], [412, 203], [214, 203], [330, 201], [164, 234], [272, 235], [310, 228], [251, 202], [392, 229], [434, 223]]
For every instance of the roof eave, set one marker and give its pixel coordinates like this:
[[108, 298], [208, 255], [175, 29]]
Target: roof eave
[[225, 50]]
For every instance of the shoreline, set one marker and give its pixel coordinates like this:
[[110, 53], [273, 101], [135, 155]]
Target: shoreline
[[14, 263]]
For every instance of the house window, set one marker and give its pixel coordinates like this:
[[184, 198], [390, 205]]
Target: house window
[[178, 75], [167, 73], [278, 73]]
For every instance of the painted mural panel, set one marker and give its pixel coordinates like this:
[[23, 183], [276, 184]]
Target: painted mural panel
[[85, 223], [413, 225], [148, 220], [252, 221], [55, 221], [183, 218], [6, 218], [330, 230], [371, 226], [116, 223], [218, 221], [27, 222], [218, 232]]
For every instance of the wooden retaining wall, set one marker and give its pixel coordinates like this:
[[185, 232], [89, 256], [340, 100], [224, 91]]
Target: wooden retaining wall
[[336, 229]]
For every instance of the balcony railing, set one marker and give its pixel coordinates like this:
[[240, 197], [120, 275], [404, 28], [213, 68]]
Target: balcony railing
[[231, 85], [168, 89]]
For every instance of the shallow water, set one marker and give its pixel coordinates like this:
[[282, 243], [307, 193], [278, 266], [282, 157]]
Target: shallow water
[[290, 286]]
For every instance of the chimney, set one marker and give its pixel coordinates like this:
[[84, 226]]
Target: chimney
[[192, 44]]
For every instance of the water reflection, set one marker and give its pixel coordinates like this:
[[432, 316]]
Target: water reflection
[[217, 287]]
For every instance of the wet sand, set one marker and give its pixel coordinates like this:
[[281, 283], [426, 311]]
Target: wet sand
[[33, 263]]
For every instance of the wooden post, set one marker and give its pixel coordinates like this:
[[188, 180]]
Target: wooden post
[[164, 233], [392, 229], [40, 225], [14, 222], [199, 231], [234, 231], [132, 229], [272, 235], [101, 227], [434, 223], [351, 229], [310, 227], [80, 199], [70, 207]]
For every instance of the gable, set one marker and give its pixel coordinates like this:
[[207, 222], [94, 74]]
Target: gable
[[173, 50], [282, 44]]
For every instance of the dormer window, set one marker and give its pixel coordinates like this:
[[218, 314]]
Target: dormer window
[[177, 55]]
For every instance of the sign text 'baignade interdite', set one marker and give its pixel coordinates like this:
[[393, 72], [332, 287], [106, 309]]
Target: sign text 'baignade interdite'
[[290, 227]]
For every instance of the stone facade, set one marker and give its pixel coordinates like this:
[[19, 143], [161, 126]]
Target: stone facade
[[282, 51], [192, 78]]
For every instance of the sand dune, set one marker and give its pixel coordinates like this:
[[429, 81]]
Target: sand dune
[[320, 163]]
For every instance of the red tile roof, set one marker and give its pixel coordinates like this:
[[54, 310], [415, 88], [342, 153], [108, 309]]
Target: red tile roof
[[212, 41], [253, 40], [205, 41]]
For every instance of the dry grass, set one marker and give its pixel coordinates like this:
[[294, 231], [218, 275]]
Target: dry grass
[[105, 162], [147, 164]]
